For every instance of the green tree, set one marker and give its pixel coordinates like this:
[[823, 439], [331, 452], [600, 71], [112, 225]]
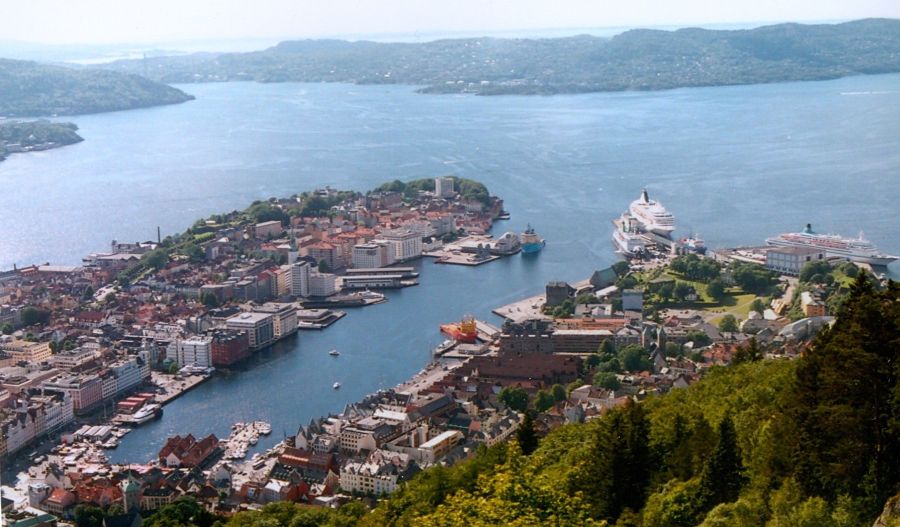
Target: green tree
[[758, 305], [558, 392], [323, 266], [32, 315], [183, 512], [543, 401], [209, 300], [728, 324], [586, 298], [88, 516], [621, 267], [87, 294], [607, 380], [682, 290], [673, 349], [157, 259], [815, 268], [634, 358], [6, 328], [716, 289], [723, 473], [846, 400], [526, 436], [749, 352], [173, 368], [514, 397], [607, 348]]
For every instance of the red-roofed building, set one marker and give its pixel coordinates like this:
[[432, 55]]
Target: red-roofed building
[[187, 451]]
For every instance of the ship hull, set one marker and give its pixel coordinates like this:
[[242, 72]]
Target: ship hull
[[531, 248]]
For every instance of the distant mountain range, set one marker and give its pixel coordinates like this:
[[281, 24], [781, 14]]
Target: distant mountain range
[[635, 60], [33, 89]]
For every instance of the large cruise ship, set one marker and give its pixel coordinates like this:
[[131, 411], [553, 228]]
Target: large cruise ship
[[654, 217], [855, 249]]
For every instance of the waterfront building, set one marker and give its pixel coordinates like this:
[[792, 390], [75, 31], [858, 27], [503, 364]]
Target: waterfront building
[[407, 243], [193, 351], [373, 255], [23, 350], [439, 446], [790, 260], [300, 272], [267, 229], [86, 391], [228, 347], [283, 281], [443, 187], [284, 318], [128, 373], [187, 452], [322, 284], [258, 326]]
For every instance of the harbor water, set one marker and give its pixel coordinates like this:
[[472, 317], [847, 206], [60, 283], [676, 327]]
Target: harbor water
[[733, 164]]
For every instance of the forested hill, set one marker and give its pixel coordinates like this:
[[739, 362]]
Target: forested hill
[[811, 442], [32, 89], [635, 60]]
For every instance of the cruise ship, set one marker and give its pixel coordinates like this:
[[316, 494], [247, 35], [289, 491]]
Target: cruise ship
[[652, 215], [626, 237], [854, 249]]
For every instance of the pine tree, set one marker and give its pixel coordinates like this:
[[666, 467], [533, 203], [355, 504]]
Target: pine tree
[[526, 436], [723, 474]]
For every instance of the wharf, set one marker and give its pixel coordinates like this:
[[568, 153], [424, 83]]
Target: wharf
[[464, 251], [527, 308], [357, 299], [318, 318], [173, 388]]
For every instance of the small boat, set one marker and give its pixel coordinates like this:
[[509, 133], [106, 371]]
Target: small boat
[[253, 440], [334, 353], [336, 385]]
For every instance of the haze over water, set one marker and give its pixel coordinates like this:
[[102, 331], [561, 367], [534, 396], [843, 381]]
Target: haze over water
[[734, 164]]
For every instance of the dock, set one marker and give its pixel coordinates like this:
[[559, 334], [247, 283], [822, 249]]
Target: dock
[[317, 318], [527, 308], [471, 250]]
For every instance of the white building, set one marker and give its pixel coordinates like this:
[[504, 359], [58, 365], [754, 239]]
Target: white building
[[443, 187], [322, 284], [373, 255], [260, 327], [284, 317], [23, 350], [192, 351], [790, 260], [407, 243], [268, 229], [128, 373], [300, 272], [378, 475]]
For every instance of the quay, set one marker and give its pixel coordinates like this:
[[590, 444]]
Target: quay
[[356, 299], [522, 309], [174, 388], [317, 318], [471, 250]]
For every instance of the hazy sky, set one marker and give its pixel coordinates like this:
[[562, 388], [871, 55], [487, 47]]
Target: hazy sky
[[96, 21]]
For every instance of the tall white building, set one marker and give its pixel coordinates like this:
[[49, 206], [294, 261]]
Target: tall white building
[[407, 243], [300, 272], [322, 284], [373, 255], [443, 187], [195, 350]]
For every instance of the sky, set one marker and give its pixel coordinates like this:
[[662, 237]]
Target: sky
[[147, 21]]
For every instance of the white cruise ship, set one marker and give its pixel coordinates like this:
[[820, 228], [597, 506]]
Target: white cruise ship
[[654, 217], [855, 249]]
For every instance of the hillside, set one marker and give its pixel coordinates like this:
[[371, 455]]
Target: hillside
[[635, 60], [811, 442], [16, 136], [32, 89]]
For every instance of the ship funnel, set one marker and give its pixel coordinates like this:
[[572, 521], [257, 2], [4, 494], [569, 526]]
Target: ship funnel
[[808, 229], [644, 197]]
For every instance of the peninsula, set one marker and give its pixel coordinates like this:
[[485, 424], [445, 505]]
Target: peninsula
[[31, 136], [640, 59], [30, 89]]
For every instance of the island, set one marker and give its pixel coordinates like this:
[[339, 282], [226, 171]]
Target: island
[[639, 59], [29, 89], [31, 136]]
